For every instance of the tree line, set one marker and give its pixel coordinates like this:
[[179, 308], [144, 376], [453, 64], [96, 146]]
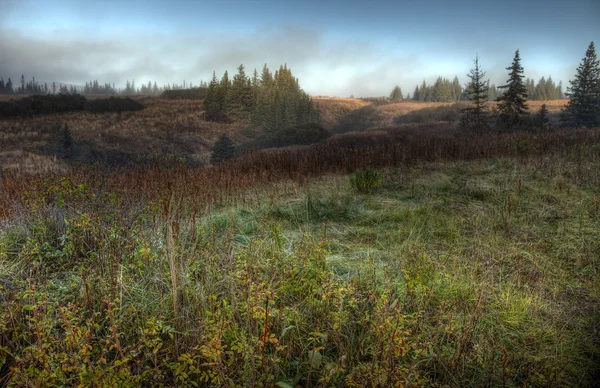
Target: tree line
[[269, 102], [512, 112], [444, 90], [33, 87]]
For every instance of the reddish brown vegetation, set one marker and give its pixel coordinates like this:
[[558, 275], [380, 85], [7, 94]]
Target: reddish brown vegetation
[[206, 186]]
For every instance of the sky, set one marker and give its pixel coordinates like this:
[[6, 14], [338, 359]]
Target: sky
[[335, 48]]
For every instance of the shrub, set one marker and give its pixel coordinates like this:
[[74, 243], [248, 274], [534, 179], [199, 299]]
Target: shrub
[[223, 150], [298, 135], [358, 120], [217, 117], [366, 181], [41, 104], [61, 103], [185, 94], [60, 142], [113, 104]]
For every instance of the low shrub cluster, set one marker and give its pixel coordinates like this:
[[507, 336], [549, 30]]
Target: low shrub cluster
[[185, 94], [112, 105], [41, 104], [61, 103], [367, 180], [298, 135]]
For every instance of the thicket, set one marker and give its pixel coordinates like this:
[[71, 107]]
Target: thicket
[[64, 102], [186, 94], [112, 105], [299, 135], [268, 103]]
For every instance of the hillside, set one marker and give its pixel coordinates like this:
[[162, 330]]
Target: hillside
[[177, 128]]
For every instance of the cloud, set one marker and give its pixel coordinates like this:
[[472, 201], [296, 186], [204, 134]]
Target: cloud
[[323, 66]]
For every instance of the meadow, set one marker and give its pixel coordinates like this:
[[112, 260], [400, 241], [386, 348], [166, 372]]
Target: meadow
[[385, 255]]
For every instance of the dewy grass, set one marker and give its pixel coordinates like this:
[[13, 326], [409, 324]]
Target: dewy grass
[[478, 273]]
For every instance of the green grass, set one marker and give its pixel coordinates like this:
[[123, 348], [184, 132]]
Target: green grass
[[461, 274]]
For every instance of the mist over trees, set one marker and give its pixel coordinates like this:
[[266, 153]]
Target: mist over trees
[[443, 90], [396, 94], [33, 87], [270, 102]]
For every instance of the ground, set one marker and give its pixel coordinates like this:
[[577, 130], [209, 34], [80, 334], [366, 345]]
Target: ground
[[473, 261], [177, 128]]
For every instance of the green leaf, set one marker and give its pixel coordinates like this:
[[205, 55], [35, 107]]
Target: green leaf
[[315, 359], [283, 384]]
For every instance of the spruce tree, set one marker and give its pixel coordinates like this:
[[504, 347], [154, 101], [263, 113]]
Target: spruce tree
[[223, 150], [240, 94], [396, 94], [416, 93], [212, 105], [423, 92], [541, 90], [583, 109], [457, 89], [543, 117], [512, 104], [475, 117]]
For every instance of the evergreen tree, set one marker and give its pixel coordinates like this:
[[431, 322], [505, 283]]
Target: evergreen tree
[[551, 89], [396, 94], [61, 141], [457, 89], [512, 104], [212, 103], [240, 96], [416, 95], [561, 94], [475, 117], [223, 150], [541, 90], [543, 117], [583, 108], [224, 87], [530, 85], [423, 92], [9, 86]]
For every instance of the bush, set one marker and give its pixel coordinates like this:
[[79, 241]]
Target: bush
[[185, 94], [217, 117], [366, 181], [60, 142], [113, 104], [61, 103], [358, 120], [223, 150], [42, 104], [298, 135]]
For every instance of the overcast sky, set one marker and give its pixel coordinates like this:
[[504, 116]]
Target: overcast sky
[[335, 48]]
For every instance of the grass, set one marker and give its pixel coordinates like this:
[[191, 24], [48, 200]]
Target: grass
[[464, 273], [177, 127]]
